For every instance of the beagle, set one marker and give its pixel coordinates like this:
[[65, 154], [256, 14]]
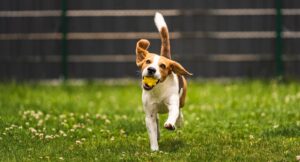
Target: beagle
[[167, 95]]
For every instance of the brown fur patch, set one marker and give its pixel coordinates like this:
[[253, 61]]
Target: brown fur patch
[[165, 43], [184, 89], [141, 51]]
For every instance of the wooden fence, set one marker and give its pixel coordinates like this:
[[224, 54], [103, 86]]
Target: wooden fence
[[224, 38]]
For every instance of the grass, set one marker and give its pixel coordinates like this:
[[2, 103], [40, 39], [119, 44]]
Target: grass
[[224, 121]]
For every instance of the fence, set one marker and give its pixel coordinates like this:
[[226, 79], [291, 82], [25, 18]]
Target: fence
[[228, 38]]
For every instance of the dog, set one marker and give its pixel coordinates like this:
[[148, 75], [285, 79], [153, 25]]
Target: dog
[[167, 94]]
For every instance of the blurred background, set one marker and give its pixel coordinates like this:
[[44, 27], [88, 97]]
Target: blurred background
[[95, 39]]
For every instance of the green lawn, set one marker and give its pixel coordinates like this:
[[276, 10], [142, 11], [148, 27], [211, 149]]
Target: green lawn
[[224, 121]]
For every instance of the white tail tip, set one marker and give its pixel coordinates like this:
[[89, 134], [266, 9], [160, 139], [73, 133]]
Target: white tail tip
[[159, 21]]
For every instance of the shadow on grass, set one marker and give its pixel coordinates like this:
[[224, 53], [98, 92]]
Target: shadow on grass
[[171, 144], [285, 130]]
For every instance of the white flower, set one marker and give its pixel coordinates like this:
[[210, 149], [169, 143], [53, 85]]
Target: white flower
[[49, 137], [47, 117], [32, 130], [124, 116], [98, 116], [107, 121], [41, 135], [276, 126], [40, 122], [78, 142], [251, 136], [63, 116], [122, 131]]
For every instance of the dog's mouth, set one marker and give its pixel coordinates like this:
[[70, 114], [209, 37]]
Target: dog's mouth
[[148, 86]]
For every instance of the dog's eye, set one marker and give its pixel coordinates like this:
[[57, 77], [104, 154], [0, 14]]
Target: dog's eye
[[163, 66], [148, 61]]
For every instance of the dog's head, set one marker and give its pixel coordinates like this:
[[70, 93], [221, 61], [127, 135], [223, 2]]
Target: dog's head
[[155, 66]]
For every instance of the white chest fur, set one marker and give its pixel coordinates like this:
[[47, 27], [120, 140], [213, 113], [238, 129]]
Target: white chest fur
[[162, 95]]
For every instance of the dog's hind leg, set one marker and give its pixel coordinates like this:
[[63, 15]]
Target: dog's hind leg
[[179, 122], [157, 123]]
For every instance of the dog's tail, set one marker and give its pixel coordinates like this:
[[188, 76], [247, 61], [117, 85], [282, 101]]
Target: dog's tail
[[164, 35]]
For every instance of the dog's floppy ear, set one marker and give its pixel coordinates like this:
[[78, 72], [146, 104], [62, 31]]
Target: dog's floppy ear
[[179, 69], [141, 51]]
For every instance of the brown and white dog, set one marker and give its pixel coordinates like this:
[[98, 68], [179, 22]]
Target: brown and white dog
[[168, 95]]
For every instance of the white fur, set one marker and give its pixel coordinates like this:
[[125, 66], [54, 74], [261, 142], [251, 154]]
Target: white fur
[[159, 21], [163, 98]]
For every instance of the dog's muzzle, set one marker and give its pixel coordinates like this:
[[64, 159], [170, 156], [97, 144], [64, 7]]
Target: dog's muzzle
[[149, 84]]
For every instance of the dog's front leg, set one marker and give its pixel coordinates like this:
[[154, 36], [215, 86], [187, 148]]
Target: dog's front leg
[[151, 124], [173, 107]]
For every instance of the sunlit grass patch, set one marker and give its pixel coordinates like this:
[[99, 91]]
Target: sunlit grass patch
[[224, 121]]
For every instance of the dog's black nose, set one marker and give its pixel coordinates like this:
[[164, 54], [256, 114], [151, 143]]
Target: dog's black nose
[[151, 70]]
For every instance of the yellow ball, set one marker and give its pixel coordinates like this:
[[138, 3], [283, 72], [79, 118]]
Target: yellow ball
[[150, 81]]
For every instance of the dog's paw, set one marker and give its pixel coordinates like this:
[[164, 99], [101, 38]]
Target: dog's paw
[[169, 126], [154, 148]]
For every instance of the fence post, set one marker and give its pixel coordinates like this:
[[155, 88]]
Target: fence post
[[278, 41], [64, 41]]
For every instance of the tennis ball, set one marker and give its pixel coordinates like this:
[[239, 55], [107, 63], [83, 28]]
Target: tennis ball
[[150, 81]]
